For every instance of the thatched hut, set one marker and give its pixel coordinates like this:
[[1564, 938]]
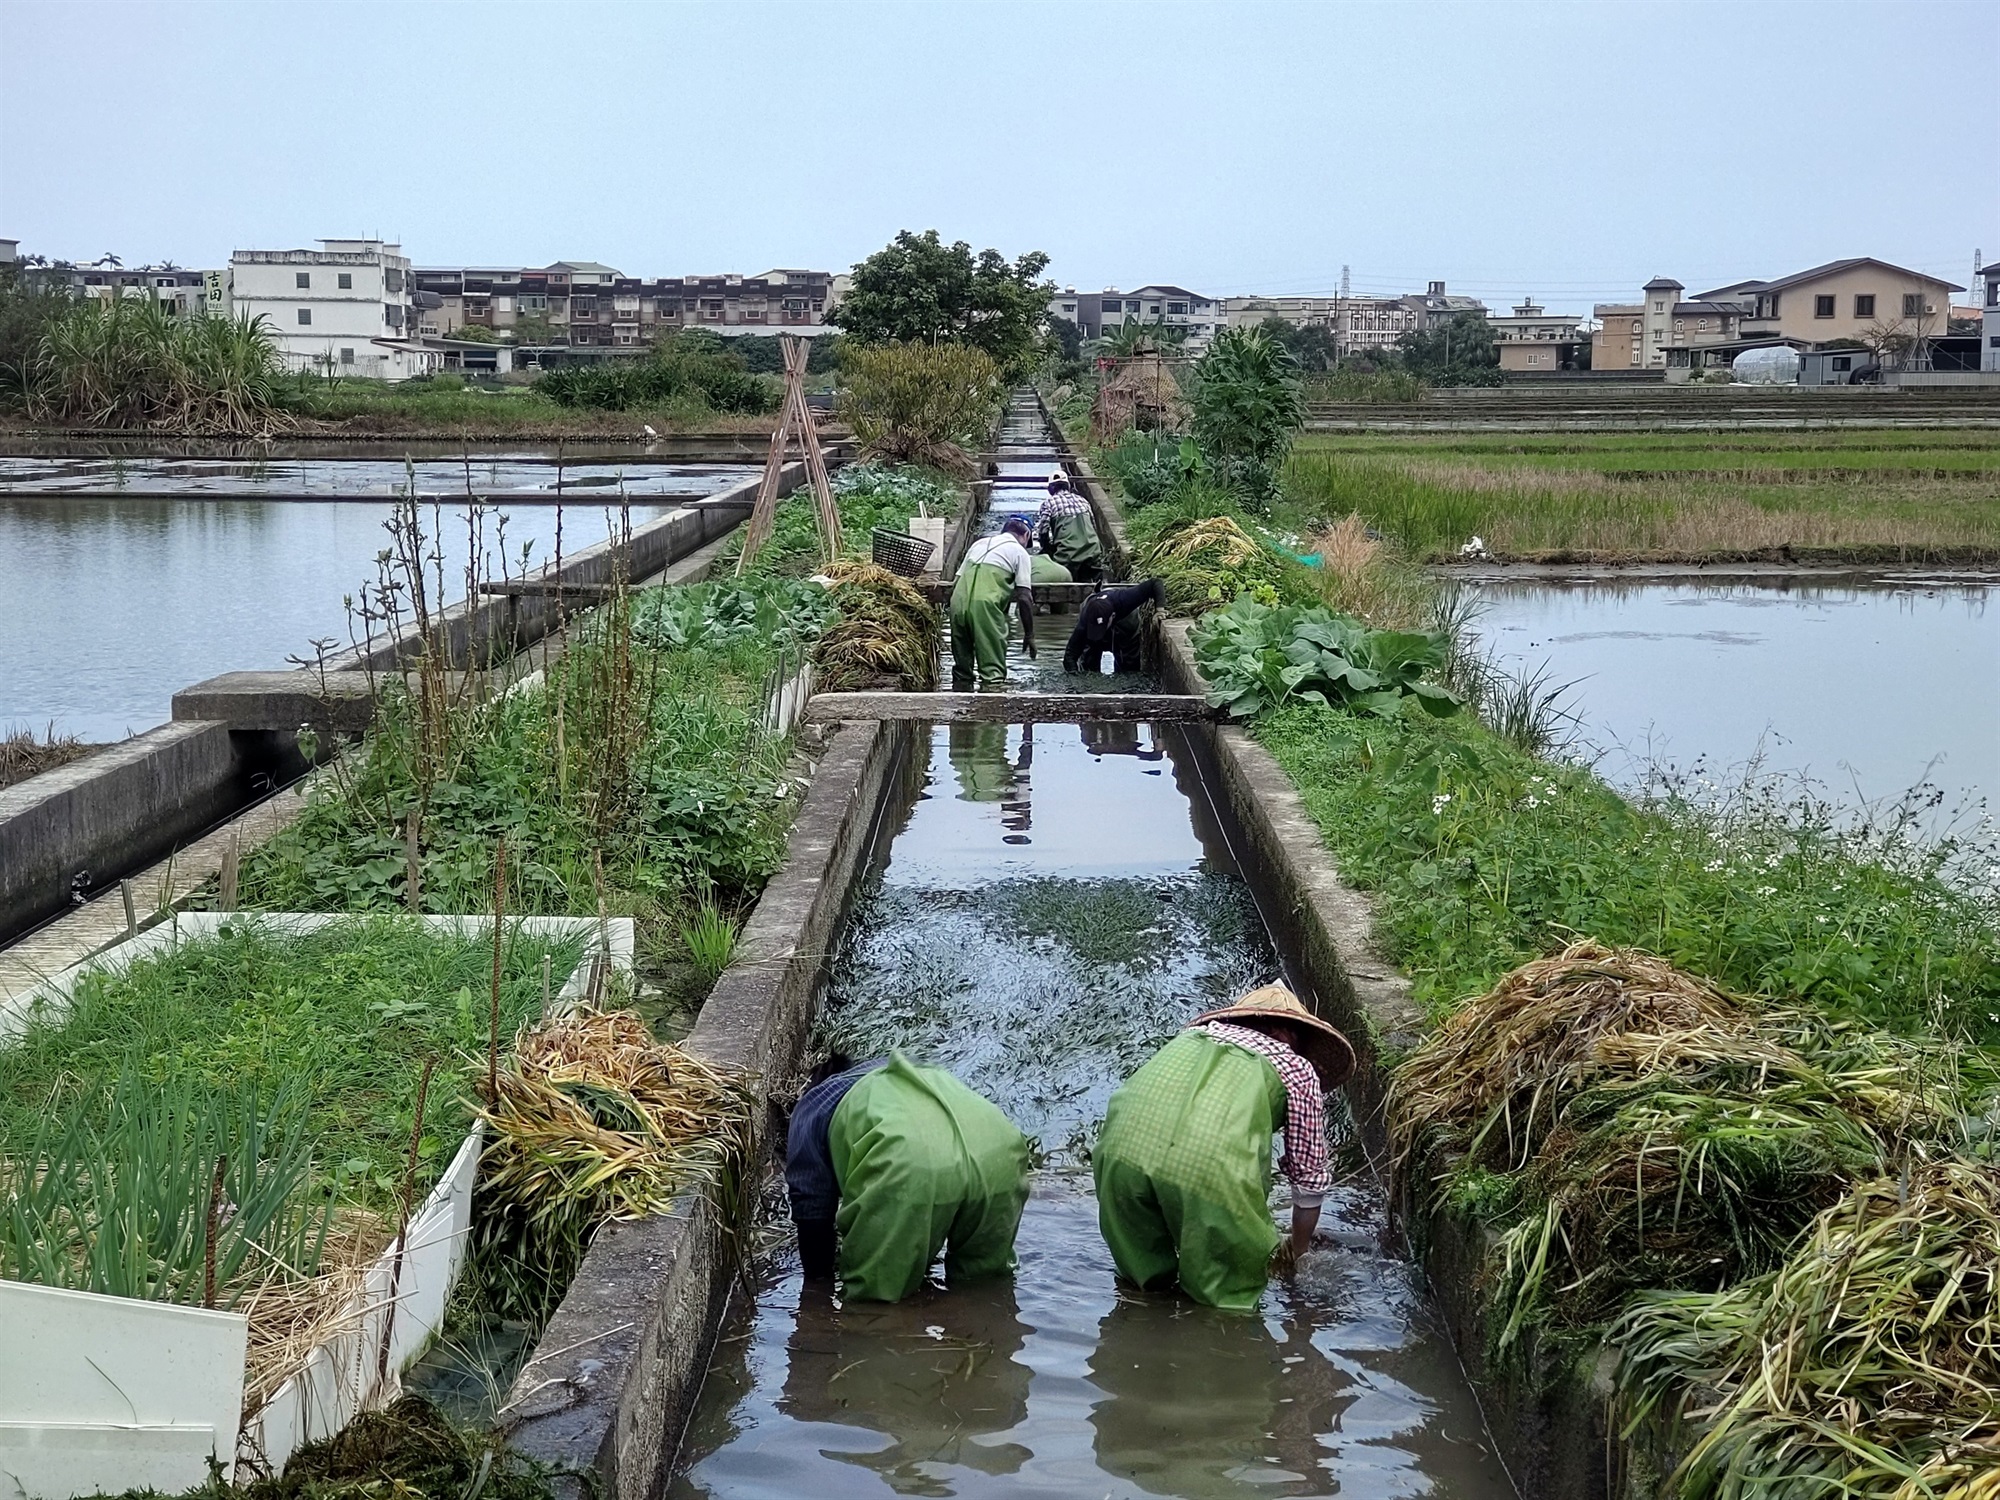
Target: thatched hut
[[1139, 392]]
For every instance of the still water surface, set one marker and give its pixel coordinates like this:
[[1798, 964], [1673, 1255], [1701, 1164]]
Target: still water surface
[[1053, 909], [521, 477], [1866, 688], [108, 607]]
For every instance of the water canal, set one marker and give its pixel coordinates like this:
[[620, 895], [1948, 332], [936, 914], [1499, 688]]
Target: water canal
[[111, 604], [1055, 902], [1867, 685]]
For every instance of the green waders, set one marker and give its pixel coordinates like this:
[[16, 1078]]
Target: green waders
[[1074, 544], [979, 603], [1183, 1169], [923, 1163], [1048, 570]]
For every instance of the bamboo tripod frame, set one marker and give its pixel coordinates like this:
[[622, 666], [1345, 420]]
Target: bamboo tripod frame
[[797, 418]]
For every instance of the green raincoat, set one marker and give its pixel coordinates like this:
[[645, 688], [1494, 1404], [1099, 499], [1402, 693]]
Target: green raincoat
[[979, 603], [1048, 570], [1183, 1169], [1073, 543], [924, 1164]]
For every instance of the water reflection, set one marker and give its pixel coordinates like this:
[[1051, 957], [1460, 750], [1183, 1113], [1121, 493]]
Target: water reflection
[[935, 1377], [1866, 689], [113, 605]]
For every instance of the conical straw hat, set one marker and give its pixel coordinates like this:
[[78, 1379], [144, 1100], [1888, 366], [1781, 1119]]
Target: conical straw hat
[[1330, 1053]]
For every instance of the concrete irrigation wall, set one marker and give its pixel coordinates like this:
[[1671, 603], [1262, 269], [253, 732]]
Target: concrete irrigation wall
[[609, 1389], [79, 828]]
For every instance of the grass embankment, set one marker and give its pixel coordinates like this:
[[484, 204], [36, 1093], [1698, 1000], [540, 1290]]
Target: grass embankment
[[1853, 496], [444, 408], [1671, 1151]]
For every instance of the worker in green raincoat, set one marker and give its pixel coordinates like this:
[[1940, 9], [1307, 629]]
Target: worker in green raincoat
[[888, 1163], [997, 570], [1183, 1163], [1066, 531]]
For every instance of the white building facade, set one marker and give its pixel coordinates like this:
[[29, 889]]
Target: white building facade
[[343, 309], [1989, 321]]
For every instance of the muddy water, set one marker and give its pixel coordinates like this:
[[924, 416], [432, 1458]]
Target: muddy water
[[1865, 687], [110, 605], [1051, 910]]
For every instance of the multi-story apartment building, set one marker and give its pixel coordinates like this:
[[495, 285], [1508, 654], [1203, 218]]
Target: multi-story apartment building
[[343, 309], [1535, 341], [588, 303], [1358, 324], [1097, 314], [1436, 306], [1645, 334], [180, 291]]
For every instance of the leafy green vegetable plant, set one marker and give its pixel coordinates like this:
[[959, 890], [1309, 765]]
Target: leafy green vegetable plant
[[1257, 656]]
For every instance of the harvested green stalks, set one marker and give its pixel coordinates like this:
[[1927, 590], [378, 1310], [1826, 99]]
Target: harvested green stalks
[[887, 633], [1867, 1365], [594, 1121], [1661, 1133]]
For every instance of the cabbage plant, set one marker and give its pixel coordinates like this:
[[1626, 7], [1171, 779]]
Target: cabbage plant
[[1257, 656]]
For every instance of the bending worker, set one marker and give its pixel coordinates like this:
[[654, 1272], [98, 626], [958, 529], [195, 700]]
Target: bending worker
[[1066, 532], [1183, 1164], [997, 569], [1106, 621], [887, 1163]]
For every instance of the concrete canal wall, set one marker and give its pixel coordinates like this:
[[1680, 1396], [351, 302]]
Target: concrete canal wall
[[74, 831]]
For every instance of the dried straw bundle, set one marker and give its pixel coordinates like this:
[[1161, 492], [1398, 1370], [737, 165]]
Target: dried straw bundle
[[593, 1120], [1867, 1365], [1491, 1080], [291, 1315], [887, 632], [1663, 1134]]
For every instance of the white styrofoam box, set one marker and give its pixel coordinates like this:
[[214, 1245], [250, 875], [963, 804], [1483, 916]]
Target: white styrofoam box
[[61, 1440], [930, 529], [93, 1385]]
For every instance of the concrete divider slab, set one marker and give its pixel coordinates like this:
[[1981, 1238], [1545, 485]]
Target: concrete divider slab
[[607, 1393]]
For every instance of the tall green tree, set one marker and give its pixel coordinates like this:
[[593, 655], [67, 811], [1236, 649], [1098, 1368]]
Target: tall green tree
[[919, 290], [1459, 351]]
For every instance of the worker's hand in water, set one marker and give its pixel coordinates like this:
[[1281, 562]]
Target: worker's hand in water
[[1024, 600]]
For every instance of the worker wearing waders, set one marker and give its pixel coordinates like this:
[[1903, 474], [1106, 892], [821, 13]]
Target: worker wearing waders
[[1065, 531], [887, 1164], [1109, 621], [997, 570], [1183, 1164]]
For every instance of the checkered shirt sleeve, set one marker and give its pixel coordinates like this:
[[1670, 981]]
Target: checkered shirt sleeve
[[1305, 1162]]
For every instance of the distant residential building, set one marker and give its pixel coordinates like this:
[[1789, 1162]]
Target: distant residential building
[[1536, 341], [1989, 343], [1861, 298], [1644, 334], [179, 291], [1358, 324], [1437, 306], [343, 309], [589, 303], [1097, 314], [1618, 343], [10, 251]]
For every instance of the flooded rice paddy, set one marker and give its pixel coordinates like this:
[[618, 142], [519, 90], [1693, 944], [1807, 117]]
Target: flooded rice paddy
[[113, 604], [1055, 906], [520, 478], [1865, 686]]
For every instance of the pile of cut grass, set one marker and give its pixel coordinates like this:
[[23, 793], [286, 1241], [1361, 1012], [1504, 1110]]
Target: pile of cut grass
[[1868, 1364], [886, 634], [23, 753], [1657, 1132]]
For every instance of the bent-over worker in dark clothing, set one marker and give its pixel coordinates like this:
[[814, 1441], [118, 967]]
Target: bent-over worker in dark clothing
[[886, 1164], [1107, 621]]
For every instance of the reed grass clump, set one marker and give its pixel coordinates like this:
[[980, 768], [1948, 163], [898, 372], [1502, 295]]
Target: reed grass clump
[[593, 1121], [128, 362], [23, 753], [1866, 1365]]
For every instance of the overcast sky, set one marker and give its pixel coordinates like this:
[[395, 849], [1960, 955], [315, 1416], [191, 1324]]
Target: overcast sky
[[1568, 150]]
